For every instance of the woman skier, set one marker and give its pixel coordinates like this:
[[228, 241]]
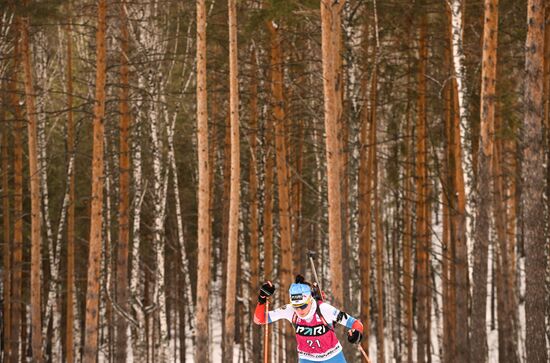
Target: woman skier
[[313, 322]]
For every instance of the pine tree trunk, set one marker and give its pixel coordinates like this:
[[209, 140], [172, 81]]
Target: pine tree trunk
[[96, 223], [203, 276], [478, 338], [278, 111], [535, 261], [124, 192], [330, 26], [233, 232], [6, 248], [505, 297], [408, 230], [70, 294], [422, 281], [17, 311], [365, 202], [36, 255], [253, 202]]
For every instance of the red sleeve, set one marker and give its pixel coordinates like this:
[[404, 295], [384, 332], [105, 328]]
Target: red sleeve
[[259, 314], [357, 325]]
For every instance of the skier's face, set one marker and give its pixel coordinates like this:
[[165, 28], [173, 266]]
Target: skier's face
[[304, 309]]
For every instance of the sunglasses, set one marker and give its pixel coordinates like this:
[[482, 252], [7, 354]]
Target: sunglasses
[[301, 307]]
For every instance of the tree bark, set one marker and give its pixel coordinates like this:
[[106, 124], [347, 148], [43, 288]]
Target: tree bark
[[6, 240], [535, 261], [203, 276], [233, 232], [459, 292], [122, 296], [408, 228], [365, 202], [17, 247], [96, 223], [330, 34], [70, 294], [253, 201], [506, 329], [422, 255], [378, 224], [277, 83], [36, 255], [478, 338]]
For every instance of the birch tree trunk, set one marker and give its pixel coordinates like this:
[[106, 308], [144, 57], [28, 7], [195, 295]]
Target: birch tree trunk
[[45, 71], [448, 201], [380, 341], [96, 223], [137, 345], [159, 192], [478, 338], [459, 215], [535, 261], [36, 254], [233, 232], [203, 279]]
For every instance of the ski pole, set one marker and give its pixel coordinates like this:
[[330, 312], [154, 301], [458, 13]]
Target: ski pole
[[266, 334], [311, 255], [364, 353]]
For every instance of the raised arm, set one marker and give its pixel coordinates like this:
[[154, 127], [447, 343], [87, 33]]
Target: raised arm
[[260, 316]]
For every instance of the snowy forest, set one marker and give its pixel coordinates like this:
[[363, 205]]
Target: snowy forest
[[162, 159]]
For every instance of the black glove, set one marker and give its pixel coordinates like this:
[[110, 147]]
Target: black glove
[[266, 291], [354, 336]]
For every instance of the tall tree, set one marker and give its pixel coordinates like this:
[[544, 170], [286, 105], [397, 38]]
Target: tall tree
[[36, 254], [124, 190], [233, 233], [330, 38], [535, 261], [17, 311], [6, 236], [203, 275], [422, 232], [253, 197], [365, 195], [96, 223], [460, 267], [70, 293], [478, 339], [278, 114]]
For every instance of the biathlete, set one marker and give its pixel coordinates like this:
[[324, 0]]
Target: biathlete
[[313, 322]]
